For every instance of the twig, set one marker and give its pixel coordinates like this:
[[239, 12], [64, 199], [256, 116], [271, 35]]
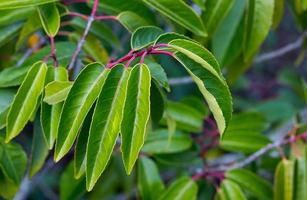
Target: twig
[[82, 40]]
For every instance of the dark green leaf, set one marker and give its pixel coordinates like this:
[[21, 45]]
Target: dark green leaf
[[144, 36], [131, 20]]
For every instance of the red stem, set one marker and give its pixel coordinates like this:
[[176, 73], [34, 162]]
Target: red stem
[[95, 6]]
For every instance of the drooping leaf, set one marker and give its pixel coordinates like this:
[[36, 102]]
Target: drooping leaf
[[205, 71], [157, 72], [181, 13], [25, 101], [57, 91], [259, 21], [39, 151], [157, 142], [13, 161], [157, 102], [131, 20], [80, 99], [106, 122], [136, 114], [284, 180], [181, 189], [257, 186], [144, 36], [4, 4], [50, 18], [229, 191], [50, 114], [149, 178]]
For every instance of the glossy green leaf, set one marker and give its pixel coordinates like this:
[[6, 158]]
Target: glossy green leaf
[[229, 191], [39, 151], [181, 13], [157, 142], [57, 91], [181, 189], [12, 4], [284, 180], [168, 37], [136, 115], [50, 18], [13, 161], [106, 122], [256, 186], [50, 114], [25, 101], [259, 21], [144, 36], [157, 72], [205, 71], [301, 176], [149, 178], [279, 7], [7, 95], [215, 12], [70, 188], [8, 33], [131, 20], [80, 99], [10, 16]]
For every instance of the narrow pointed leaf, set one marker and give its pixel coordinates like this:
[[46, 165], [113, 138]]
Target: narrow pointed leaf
[[106, 122], [57, 91], [149, 178], [181, 13], [182, 189], [80, 99], [136, 114], [50, 18], [301, 177], [229, 191], [205, 71], [284, 180], [25, 101], [50, 114]]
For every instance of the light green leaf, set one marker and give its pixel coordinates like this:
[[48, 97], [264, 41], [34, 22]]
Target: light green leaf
[[205, 71], [149, 178], [257, 186], [12, 4], [13, 161], [144, 36], [279, 7], [57, 91], [11, 16], [9, 32], [80, 99], [25, 101], [181, 13], [131, 21], [181, 189], [229, 191], [259, 21], [50, 18], [106, 122], [39, 150], [284, 180], [301, 177], [8, 188], [50, 114], [168, 37], [157, 142], [136, 115], [215, 12]]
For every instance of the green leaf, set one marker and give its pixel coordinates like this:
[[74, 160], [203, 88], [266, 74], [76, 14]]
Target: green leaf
[[50, 114], [257, 186], [157, 102], [131, 20], [25, 101], [279, 7], [106, 122], [181, 13], [8, 33], [13, 161], [229, 191], [70, 188], [136, 115], [12, 76], [50, 18], [80, 99], [168, 37], [301, 177], [284, 180], [157, 142], [205, 71], [4, 4], [144, 36], [7, 95], [215, 12], [157, 72], [181, 189], [259, 21], [149, 179], [39, 150], [11, 16], [57, 91], [8, 188]]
